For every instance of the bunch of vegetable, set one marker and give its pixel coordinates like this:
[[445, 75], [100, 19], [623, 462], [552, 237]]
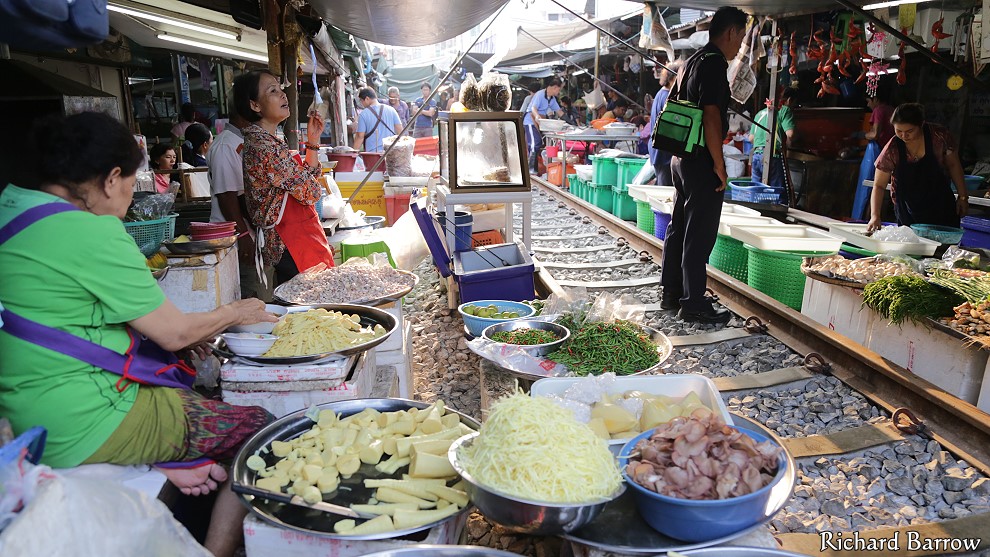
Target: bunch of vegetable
[[971, 319], [974, 286], [908, 297], [620, 347], [538, 305], [490, 312], [525, 337]]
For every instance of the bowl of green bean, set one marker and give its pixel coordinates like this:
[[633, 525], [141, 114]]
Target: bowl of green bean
[[536, 337]]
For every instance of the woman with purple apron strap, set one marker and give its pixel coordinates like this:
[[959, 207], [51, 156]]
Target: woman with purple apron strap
[[86, 335]]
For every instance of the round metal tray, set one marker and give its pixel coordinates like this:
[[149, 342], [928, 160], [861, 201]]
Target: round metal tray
[[374, 302], [423, 550], [369, 318], [664, 349], [620, 529], [200, 247], [312, 521]]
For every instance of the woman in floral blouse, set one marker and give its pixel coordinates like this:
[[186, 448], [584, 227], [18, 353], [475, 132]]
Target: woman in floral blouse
[[280, 190]]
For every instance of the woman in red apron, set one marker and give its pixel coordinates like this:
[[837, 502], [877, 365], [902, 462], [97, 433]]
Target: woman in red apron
[[281, 191], [923, 160]]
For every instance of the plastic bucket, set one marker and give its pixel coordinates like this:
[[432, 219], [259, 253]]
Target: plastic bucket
[[345, 161], [396, 206], [552, 151], [371, 159], [463, 223], [371, 198], [644, 217]]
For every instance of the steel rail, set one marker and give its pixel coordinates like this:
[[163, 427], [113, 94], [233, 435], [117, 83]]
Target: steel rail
[[960, 427]]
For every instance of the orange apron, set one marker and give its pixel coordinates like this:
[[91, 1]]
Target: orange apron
[[299, 227]]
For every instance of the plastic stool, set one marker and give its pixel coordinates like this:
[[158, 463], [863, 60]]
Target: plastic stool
[[349, 250]]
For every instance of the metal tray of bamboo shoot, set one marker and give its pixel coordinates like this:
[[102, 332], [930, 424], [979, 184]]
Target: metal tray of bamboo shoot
[[373, 455], [303, 340]]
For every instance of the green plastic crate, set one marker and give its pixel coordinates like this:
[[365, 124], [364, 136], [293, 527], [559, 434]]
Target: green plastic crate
[[778, 273], [571, 178], [730, 257], [605, 169], [628, 168], [623, 205], [149, 234], [644, 216], [601, 196]]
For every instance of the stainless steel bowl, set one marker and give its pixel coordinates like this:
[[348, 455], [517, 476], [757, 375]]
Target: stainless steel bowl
[[521, 515], [535, 349]]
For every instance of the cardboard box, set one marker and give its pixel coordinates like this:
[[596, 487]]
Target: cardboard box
[[196, 283]]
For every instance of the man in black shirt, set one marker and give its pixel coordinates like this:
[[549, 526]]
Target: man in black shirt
[[701, 180]]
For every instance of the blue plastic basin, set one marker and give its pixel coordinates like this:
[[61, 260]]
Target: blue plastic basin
[[698, 521], [476, 325]]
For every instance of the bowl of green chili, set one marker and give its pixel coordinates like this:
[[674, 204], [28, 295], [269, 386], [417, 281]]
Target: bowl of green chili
[[536, 337]]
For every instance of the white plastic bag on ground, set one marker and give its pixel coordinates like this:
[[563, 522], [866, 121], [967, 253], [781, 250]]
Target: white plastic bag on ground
[[76, 516], [405, 242]]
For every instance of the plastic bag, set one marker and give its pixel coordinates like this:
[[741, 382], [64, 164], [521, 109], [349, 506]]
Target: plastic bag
[[152, 207], [470, 96], [85, 516], [896, 234], [399, 159], [645, 174], [958, 258], [494, 92], [351, 218], [516, 358], [405, 241]]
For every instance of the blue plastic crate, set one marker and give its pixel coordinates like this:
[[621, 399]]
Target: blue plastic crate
[[976, 232], [755, 192]]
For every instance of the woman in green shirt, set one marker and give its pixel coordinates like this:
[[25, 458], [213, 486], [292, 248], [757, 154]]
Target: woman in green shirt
[[785, 123], [72, 273]]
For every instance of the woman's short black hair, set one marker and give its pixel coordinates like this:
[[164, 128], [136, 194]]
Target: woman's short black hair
[[70, 151], [157, 150], [197, 134], [246, 90], [909, 113]]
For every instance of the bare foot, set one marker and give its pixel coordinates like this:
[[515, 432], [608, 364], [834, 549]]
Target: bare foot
[[196, 481]]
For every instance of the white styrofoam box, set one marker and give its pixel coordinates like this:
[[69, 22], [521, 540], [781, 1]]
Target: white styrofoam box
[[661, 206], [839, 308], [733, 209], [262, 539], [285, 397], [401, 360], [957, 370], [336, 369], [855, 235], [394, 341], [584, 171], [790, 237], [202, 282], [727, 220], [983, 401], [489, 219], [641, 192], [676, 386]]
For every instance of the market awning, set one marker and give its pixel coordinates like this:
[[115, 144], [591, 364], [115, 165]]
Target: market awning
[[408, 79], [549, 34], [406, 22]]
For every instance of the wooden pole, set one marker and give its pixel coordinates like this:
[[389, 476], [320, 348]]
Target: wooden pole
[[291, 37]]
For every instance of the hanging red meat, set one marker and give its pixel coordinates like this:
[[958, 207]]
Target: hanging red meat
[[938, 34]]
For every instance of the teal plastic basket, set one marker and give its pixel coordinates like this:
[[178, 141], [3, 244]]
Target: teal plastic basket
[[149, 234], [606, 170], [940, 234], [628, 168], [601, 196]]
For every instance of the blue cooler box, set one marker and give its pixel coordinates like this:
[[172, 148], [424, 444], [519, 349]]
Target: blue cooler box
[[503, 271]]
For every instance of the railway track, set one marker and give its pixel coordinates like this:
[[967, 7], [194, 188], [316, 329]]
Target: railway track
[[880, 451]]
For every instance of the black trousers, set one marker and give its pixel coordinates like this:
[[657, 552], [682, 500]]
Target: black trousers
[[285, 269], [692, 231]]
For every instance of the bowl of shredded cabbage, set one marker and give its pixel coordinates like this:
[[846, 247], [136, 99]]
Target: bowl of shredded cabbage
[[533, 468]]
